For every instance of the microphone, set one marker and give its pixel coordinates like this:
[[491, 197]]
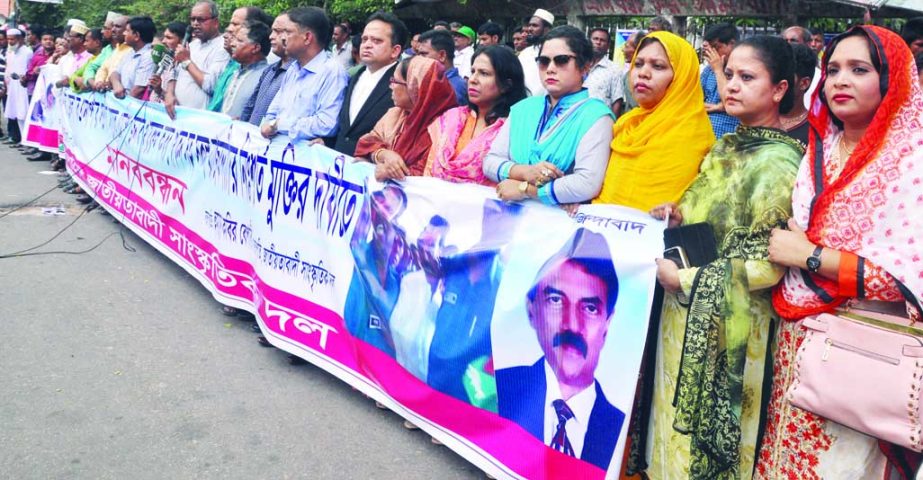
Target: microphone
[[163, 58]]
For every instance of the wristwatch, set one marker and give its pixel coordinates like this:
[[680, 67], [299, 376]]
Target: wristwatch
[[524, 188], [813, 262], [184, 64]]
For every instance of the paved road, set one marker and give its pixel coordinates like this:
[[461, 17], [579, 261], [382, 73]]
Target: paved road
[[115, 364]]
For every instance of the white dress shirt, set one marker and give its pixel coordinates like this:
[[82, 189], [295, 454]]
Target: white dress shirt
[[364, 86], [580, 404], [530, 70], [462, 61], [413, 322], [343, 54], [211, 58]]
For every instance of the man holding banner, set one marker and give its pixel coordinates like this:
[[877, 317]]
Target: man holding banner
[[134, 72], [558, 399]]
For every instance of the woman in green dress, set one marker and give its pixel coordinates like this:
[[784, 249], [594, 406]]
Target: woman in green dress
[[717, 319]]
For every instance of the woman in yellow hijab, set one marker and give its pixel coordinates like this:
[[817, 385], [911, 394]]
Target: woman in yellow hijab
[[658, 146]]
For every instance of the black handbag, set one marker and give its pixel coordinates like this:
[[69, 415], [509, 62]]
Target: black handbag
[[690, 245]]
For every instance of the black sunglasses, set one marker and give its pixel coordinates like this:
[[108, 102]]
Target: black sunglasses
[[559, 60]]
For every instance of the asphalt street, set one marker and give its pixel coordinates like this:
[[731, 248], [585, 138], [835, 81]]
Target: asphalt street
[[116, 364]]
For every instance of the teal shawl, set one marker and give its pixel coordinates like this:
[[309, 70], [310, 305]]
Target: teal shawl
[[221, 85], [539, 133]]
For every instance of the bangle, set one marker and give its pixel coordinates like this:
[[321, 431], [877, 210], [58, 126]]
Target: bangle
[[376, 154]]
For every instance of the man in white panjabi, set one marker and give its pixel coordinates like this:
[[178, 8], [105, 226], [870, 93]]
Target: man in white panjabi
[[17, 95]]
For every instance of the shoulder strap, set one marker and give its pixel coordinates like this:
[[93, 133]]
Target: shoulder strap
[[818, 167]]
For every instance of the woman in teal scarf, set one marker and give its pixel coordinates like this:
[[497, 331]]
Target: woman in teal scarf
[[554, 147]]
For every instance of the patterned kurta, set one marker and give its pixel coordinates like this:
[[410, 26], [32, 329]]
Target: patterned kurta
[[716, 356]]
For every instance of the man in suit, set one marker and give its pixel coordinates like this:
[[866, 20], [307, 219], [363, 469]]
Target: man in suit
[[557, 399], [368, 95]]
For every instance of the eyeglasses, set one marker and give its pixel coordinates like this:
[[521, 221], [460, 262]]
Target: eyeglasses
[[394, 81], [199, 19], [559, 60]]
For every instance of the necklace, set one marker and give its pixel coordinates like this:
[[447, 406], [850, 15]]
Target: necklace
[[846, 152], [789, 123]]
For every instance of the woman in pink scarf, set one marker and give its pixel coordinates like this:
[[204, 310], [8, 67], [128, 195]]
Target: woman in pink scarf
[[854, 237], [462, 136]]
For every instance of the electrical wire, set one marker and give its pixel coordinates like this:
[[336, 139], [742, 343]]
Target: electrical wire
[[92, 159], [125, 245]]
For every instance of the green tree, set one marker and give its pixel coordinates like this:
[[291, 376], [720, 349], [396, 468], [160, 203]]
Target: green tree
[[93, 12]]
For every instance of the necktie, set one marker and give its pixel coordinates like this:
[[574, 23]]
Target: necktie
[[560, 442]]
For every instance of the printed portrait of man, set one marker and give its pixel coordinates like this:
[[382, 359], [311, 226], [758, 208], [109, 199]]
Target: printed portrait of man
[[380, 251], [558, 399]]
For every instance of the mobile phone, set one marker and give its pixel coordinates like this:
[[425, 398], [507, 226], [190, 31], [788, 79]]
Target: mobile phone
[[677, 255]]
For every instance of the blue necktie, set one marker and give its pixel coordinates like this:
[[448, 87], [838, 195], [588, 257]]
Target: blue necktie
[[560, 442]]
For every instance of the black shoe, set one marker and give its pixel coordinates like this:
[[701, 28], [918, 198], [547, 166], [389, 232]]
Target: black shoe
[[67, 186], [255, 328], [245, 316], [40, 157], [83, 199], [229, 311], [296, 360], [263, 342], [30, 151]]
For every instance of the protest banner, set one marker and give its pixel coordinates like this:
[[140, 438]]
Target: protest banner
[[480, 321], [42, 117]]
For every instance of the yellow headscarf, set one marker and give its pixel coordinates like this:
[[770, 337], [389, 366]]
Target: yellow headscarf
[[656, 152]]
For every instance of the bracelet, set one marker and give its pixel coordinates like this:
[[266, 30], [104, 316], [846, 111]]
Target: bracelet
[[376, 154]]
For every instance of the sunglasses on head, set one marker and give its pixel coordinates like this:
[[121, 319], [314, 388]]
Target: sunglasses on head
[[559, 60]]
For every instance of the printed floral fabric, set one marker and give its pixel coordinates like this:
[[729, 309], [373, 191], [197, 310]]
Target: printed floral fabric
[[711, 356]]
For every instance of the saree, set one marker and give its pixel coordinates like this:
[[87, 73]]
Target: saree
[[656, 152], [451, 161], [711, 354], [406, 132], [869, 212]]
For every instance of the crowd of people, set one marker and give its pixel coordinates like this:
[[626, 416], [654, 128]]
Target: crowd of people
[[803, 157]]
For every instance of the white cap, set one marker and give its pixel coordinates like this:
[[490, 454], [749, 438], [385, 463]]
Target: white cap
[[112, 16], [544, 15], [75, 21], [14, 32]]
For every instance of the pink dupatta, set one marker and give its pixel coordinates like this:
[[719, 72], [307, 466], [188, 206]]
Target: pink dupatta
[[466, 166]]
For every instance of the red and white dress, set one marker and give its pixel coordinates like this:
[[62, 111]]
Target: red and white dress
[[869, 208]]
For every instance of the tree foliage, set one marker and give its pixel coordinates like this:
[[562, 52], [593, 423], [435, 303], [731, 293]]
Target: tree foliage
[[93, 12]]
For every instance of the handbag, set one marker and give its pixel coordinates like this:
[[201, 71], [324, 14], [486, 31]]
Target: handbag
[[863, 369], [691, 245]]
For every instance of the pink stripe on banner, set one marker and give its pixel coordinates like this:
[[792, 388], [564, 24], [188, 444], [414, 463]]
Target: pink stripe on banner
[[323, 331], [503, 439], [312, 325], [44, 137]]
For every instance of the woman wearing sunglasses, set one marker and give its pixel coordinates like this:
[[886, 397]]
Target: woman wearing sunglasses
[[399, 142], [554, 147], [659, 145]]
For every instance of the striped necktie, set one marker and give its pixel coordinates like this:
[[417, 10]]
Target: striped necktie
[[560, 441]]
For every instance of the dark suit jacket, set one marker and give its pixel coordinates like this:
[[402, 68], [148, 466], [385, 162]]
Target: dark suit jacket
[[521, 398], [375, 106]]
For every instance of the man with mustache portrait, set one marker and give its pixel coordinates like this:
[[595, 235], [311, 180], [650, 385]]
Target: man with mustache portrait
[[558, 399]]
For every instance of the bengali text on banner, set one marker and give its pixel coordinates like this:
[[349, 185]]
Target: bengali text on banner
[[485, 323]]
